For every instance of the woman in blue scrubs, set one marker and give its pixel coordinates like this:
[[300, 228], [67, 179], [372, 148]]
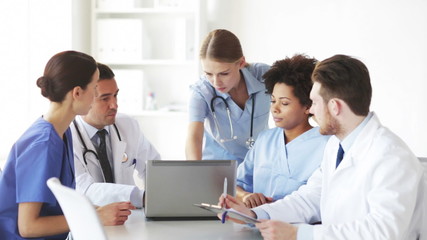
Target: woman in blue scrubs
[[284, 157], [214, 133], [28, 208]]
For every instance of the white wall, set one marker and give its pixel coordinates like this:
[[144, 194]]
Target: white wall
[[389, 36], [30, 35]]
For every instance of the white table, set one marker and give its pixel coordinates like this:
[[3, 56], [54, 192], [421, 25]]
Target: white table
[[137, 227]]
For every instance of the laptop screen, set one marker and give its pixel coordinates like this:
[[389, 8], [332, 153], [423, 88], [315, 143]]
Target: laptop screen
[[172, 187]]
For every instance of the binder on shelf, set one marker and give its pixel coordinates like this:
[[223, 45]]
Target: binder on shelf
[[119, 40], [178, 4], [115, 4], [131, 85], [180, 39], [190, 41]]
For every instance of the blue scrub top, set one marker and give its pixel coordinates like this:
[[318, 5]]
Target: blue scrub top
[[200, 111], [275, 169], [38, 155]]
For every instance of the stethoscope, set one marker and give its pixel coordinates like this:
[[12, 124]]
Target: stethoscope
[[250, 141], [86, 149]]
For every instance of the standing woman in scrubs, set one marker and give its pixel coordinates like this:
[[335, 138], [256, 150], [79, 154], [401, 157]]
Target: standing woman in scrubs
[[28, 208], [228, 80]]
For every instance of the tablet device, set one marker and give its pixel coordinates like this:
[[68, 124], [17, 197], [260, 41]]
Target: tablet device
[[230, 212]]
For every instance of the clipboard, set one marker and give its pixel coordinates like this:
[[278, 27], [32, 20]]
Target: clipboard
[[230, 212]]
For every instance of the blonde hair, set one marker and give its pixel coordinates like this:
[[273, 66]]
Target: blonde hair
[[221, 45]]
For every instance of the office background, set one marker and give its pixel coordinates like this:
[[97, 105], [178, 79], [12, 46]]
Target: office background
[[390, 36]]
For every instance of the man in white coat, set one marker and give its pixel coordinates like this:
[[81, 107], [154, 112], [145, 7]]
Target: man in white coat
[[369, 185], [127, 150]]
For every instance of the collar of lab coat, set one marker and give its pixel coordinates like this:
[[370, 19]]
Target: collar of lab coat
[[91, 130], [362, 142], [118, 148]]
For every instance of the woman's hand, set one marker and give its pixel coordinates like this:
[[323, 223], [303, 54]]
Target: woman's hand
[[115, 213], [252, 200], [231, 202]]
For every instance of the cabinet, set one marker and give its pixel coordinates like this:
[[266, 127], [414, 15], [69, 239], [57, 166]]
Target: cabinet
[[152, 47]]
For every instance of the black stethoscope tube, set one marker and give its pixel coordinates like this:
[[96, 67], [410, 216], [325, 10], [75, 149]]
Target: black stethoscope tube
[[250, 141], [86, 149]]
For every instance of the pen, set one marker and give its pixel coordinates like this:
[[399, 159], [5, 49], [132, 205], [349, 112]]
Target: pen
[[225, 188], [224, 214]]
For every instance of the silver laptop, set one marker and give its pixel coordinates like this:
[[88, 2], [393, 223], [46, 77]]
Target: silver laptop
[[172, 187]]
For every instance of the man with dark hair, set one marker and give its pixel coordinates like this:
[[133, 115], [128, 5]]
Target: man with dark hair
[[109, 148], [369, 185]]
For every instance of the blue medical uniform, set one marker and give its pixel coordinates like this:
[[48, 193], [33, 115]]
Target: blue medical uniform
[[200, 111], [38, 155], [276, 169]]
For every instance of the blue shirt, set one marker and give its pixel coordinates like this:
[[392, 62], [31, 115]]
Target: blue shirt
[[275, 169], [200, 111], [38, 155]]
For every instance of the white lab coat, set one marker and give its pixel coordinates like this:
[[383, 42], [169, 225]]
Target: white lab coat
[[89, 178], [373, 193]]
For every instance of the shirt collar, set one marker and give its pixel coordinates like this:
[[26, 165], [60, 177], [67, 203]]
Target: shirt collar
[[91, 130], [253, 85], [348, 141]]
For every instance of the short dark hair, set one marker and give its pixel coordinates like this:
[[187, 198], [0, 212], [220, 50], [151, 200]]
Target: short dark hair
[[346, 78], [295, 72], [105, 72], [63, 72]]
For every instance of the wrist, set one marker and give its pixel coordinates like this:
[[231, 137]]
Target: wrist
[[240, 193], [294, 232], [245, 195]]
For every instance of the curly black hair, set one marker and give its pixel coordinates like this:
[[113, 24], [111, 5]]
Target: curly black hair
[[296, 72]]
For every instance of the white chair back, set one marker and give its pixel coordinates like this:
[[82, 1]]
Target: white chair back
[[81, 215], [423, 220], [423, 161]]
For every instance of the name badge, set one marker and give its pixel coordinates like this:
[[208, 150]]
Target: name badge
[[125, 158]]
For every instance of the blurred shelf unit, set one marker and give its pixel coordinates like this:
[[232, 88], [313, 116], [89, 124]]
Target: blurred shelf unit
[[152, 46]]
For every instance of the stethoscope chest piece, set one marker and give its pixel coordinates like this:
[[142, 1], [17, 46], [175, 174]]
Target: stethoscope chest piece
[[250, 142]]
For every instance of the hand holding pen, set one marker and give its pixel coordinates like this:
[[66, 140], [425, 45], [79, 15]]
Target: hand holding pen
[[227, 201]]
